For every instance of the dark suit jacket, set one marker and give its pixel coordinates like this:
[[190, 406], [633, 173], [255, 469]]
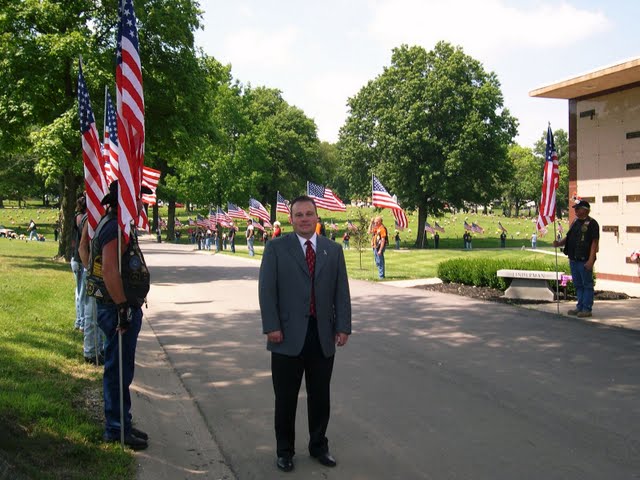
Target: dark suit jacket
[[285, 292]]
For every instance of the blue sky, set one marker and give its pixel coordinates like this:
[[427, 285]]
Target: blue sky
[[321, 53]]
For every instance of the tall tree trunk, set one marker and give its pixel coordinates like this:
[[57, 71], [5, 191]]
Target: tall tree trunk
[[422, 217], [67, 208], [154, 225], [171, 222]]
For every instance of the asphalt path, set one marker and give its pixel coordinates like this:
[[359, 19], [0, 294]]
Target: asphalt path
[[430, 386]]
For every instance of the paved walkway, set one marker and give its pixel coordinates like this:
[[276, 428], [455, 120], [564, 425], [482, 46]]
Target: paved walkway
[[183, 432]]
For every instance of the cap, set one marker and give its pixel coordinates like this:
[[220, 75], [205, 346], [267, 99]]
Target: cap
[[582, 204], [111, 198]]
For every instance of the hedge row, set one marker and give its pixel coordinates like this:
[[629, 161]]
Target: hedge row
[[482, 272]]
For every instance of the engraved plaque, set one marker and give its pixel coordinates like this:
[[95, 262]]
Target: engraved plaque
[[633, 198], [633, 166], [610, 199], [588, 113], [589, 199], [633, 229], [610, 228]]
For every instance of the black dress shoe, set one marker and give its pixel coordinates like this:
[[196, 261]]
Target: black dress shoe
[[130, 441], [326, 459], [285, 464], [139, 433]]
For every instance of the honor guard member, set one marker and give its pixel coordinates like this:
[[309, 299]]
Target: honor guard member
[[581, 246], [119, 296]]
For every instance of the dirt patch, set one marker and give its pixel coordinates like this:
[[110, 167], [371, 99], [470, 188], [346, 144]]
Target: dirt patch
[[495, 295]]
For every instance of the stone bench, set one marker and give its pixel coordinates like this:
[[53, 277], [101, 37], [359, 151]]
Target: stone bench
[[530, 284]]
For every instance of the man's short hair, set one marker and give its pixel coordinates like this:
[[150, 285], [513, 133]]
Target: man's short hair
[[302, 198]]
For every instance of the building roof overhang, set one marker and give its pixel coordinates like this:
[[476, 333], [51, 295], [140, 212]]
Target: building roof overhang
[[597, 81]]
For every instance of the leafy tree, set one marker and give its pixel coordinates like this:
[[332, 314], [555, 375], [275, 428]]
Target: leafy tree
[[524, 185], [433, 127], [561, 140]]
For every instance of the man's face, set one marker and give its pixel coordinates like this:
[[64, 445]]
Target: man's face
[[304, 219], [582, 213]]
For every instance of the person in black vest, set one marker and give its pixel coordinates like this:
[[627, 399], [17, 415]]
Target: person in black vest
[[120, 294], [581, 246], [503, 240]]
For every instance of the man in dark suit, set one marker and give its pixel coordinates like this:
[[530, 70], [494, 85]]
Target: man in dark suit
[[306, 311]]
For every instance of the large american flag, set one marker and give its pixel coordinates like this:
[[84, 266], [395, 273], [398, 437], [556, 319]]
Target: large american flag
[[235, 211], [501, 227], [130, 118], [381, 199], [468, 227], [325, 198], [223, 218], [201, 221], [428, 228], [476, 228], [257, 210], [282, 205], [110, 145], [437, 227], [94, 178], [150, 178], [550, 180]]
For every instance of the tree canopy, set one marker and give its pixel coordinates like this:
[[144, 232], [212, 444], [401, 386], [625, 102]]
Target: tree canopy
[[432, 126]]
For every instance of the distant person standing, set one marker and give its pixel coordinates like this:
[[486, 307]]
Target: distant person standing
[[397, 240], [277, 231], [379, 241], [534, 240], [56, 232], [232, 238], [436, 240], [320, 228], [77, 268], [33, 230], [345, 240], [581, 246], [250, 234], [503, 240], [467, 240]]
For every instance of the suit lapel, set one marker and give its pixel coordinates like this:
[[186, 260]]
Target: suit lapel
[[321, 254], [295, 250]]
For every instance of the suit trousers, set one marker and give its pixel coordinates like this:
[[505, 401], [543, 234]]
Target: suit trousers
[[286, 372]]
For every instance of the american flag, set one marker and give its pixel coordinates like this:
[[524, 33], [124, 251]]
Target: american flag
[[213, 218], [350, 225], [381, 199], [476, 228], [258, 226], [177, 222], [94, 178], [201, 221], [191, 222], [256, 209], [501, 227], [162, 222], [130, 118], [236, 212], [150, 178], [143, 220], [467, 227], [438, 227], [110, 148], [560, 229], [550, 180], [325, 198], [223, 218], [282, 205], [428, 228]]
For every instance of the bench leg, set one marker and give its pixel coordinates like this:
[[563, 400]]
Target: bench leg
[[529, 289]]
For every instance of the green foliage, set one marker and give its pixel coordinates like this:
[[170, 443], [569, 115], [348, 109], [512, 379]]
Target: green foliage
[[47, 432], [433, 127], [481, 272]]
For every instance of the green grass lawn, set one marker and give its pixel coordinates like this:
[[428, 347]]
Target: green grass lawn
[[45, 430]]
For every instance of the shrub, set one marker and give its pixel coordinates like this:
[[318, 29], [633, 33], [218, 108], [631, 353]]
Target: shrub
[[482, 272]]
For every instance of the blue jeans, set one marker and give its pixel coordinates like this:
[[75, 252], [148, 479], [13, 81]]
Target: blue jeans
[[250, 247], [108, 320], [232, 244], [83, 305], [583, 281], [379, 259]]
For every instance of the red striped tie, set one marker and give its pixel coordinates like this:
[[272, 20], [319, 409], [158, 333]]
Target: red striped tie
[[311, 263]]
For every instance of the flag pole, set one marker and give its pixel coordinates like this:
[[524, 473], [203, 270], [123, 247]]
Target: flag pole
[[120, 372], [557, 277]]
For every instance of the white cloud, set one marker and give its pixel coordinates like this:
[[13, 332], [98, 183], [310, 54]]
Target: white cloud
[[251, 48], [483, 28]]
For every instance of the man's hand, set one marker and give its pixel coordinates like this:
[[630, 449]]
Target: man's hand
[[275, 336], [341, 339], [588, 265], [124, 317]]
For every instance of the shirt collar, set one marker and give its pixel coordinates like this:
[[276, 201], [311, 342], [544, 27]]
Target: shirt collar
[[303, 241]]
